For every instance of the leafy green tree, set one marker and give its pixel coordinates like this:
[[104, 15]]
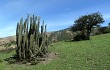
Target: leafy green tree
[[86, 22]]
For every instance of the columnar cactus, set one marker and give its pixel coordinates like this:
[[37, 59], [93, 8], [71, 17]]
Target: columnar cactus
[[31, 43]]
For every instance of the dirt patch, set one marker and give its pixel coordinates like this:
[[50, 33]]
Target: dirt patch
[[3, 49], [50, 56]]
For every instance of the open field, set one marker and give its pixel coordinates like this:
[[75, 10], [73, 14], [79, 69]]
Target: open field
[[92, 54]]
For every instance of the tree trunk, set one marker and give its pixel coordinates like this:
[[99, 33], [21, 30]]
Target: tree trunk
[[88, 32], [88, 35]]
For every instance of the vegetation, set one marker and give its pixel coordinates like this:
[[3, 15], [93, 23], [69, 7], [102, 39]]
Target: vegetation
[[31, 43], [86, 23], [104, 30], [67, 35], [108, 24], [61, 35], [92, 54], [13, 42], [7, 45]]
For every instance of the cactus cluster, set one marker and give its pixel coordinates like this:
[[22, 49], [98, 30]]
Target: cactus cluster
[[31, 42]]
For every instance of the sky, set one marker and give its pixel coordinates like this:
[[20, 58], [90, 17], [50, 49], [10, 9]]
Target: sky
[[57, 14]]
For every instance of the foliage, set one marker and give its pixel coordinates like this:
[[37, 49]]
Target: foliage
[[104, 30], [86, 22], [7, 45], [13, 42], [108, 24], [31, 43], [61, 35]]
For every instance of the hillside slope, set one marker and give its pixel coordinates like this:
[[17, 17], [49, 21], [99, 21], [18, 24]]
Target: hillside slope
[[7, 39], [92, 54]]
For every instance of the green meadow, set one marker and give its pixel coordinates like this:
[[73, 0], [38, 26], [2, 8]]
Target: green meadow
[[93, 54]]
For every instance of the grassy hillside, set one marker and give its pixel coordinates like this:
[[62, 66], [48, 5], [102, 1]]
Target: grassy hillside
[[93, 54]]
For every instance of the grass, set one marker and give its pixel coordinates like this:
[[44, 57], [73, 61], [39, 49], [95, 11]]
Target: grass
[[92, 54]]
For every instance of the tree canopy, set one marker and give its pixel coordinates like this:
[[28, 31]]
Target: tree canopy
[[86, 22]]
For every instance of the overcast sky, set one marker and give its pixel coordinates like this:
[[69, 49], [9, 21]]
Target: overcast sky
[[57, 14]]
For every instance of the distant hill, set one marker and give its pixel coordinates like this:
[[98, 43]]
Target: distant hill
[[67, 35], [60, 35], [7, 39], [64, 34]]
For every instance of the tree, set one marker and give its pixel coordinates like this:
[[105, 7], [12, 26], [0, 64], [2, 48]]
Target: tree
[[86, 22], [108, 24]]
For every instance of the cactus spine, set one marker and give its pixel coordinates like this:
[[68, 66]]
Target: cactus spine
[[31, 43]]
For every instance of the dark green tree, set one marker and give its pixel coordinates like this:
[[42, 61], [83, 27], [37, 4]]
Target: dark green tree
[[86, 22], [108, 24]]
